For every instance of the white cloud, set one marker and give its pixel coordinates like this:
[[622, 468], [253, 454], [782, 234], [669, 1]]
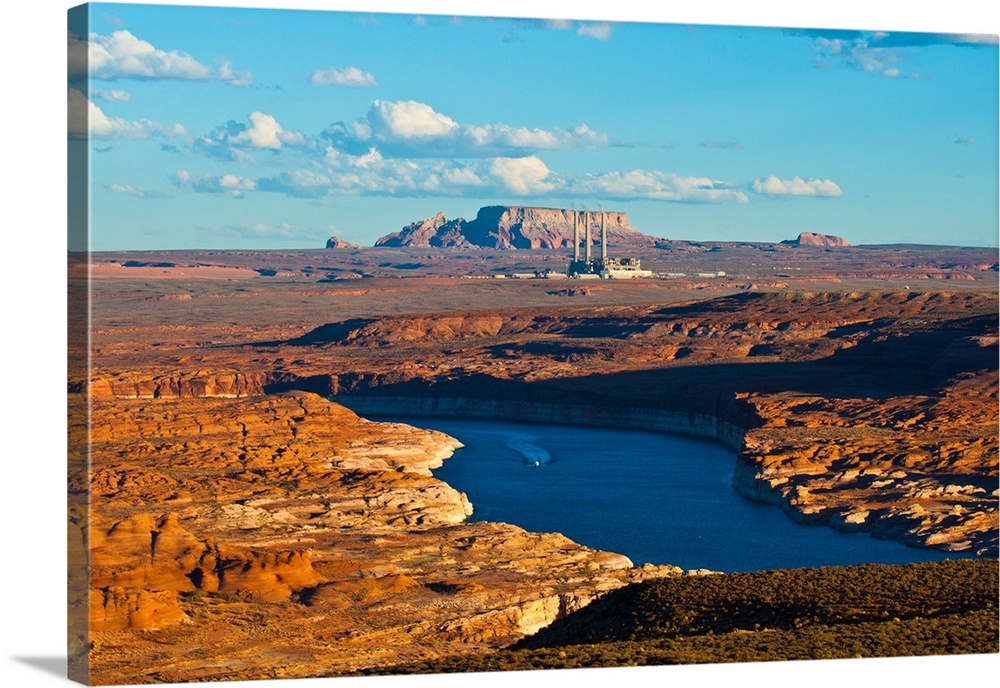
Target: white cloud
[[264, 133], [233, 77], [351, 77], [300, 183], [655, 185], [408, 119], [126, 189], [261, 230], [124, 56], [230, 184], [503, 136], [499, 177], [372, 157], [87, 120], [463, 177], [558, 24], [414, 129], [860, 54], [522, 176], [599, 30], [970, 38], [115, 96], [796, 186]]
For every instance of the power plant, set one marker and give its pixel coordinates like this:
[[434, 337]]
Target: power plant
[[603, 267]]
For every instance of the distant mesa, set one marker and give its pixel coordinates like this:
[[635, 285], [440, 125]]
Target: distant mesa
[[514, 227], [811, 239], [337, 242]]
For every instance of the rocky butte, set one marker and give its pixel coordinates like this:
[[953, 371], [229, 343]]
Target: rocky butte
[[513, 227], [813, 239], [337, 242]]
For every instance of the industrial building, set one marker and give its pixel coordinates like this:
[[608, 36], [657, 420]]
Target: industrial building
[[603, 267]]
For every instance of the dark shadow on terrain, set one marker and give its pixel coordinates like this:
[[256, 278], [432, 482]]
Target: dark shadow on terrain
[[330, 333], [560, 351], [878, 358], [879, 367], [50, 665]]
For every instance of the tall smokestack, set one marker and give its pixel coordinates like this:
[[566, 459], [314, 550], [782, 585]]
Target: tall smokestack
[[576, 236], [586, 222], [604, 240]]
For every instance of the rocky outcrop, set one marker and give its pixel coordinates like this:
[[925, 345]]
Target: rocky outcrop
[[918, 469], [184, 384], [513, 227], [434, 231], [337, 242], [286, 531], [813, 239]]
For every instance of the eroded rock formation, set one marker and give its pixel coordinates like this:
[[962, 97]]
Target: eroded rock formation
[[213, 519], [508, 227], [814, 239], [337, 242]]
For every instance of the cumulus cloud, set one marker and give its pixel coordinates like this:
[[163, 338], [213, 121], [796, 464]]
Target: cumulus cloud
[[232, 77], [498, 177], [351, 77], [122, 55], [657, 186], [87, 120], [230, 184], [114, 96], [864, 54], [262, 230], [407, 149], [558, 24], [126, 189], [796, 186], [599, 30], [507, 137], [899, 39], [304, 184], [414, 129], [522, 176], [408, 119], [264, 133]]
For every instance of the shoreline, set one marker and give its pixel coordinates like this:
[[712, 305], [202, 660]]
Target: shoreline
[[705, 426]]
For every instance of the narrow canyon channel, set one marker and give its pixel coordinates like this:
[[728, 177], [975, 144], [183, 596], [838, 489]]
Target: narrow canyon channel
[[655, 497]]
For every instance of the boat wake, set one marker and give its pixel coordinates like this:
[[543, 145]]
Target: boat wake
[[529, 450]]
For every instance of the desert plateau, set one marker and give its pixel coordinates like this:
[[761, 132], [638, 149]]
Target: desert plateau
[[243, 519]]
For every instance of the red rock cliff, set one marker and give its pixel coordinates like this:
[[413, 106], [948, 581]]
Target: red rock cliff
[[511, 227]]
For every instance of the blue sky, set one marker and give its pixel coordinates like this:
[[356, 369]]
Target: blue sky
[[221, 127]]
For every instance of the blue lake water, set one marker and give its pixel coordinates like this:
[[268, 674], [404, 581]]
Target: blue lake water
[[654, 497]]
